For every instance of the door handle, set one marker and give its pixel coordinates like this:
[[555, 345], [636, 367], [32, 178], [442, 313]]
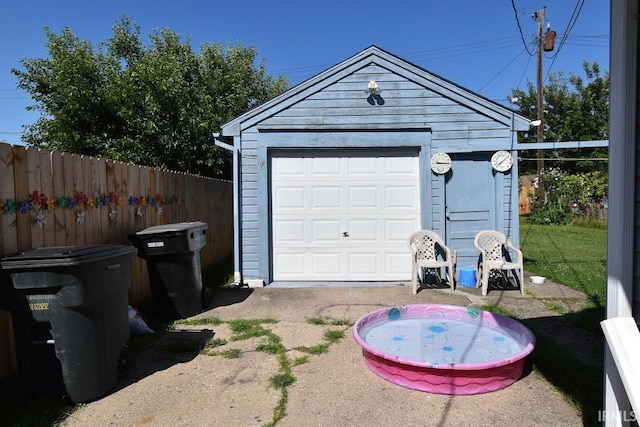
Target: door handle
[[345, 234]]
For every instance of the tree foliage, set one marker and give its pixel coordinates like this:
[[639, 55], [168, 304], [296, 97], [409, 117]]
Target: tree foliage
[[574, 110], [155, 105]]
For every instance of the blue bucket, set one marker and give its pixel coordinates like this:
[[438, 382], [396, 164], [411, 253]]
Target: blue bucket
[[467, 277]]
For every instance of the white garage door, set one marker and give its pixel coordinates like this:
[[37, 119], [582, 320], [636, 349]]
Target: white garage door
[[344, 217]]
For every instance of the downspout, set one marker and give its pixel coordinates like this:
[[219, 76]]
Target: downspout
[[515, 186], [219, 141]]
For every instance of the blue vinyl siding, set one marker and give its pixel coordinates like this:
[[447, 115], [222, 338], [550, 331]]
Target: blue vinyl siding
[[416, 110]]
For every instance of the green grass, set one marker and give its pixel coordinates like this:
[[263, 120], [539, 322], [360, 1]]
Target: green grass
[[575, 256]]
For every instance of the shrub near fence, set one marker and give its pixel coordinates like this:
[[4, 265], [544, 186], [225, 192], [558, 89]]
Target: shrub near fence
[[59, 199]]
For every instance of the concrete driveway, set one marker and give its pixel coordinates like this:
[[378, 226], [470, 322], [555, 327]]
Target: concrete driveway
[[165, 387]]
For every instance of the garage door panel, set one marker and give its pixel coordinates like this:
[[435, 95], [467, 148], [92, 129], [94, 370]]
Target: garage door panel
[[327, 231], [398, 263], [288, 167], [401, 197], [399, 230], [401, 166], [289, 198], [290, 231], [363, 197], [289, 265], [362, 262], [363, 230], [325, 167], [358, 166], [374, 199], [327, 197], [327, 264]]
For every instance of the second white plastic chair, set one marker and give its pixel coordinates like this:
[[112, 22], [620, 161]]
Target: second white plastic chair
[[497, 253]]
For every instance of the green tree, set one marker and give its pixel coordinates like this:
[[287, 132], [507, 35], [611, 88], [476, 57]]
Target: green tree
[[574, 110], [155, 105]]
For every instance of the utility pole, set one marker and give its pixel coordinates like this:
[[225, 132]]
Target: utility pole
[[540, 107]]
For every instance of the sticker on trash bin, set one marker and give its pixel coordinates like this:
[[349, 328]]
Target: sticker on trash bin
[[155, 244], [39, 302]]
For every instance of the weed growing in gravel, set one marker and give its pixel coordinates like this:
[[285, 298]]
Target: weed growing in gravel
[[282, 379], [215, 342], [300, 361], [341, 322], [557, 306], [213, 321], [315, 320], [495, 308], [241, 326], [316, 350], [321, 321], [270, 343], [332, 336], [234, 353]]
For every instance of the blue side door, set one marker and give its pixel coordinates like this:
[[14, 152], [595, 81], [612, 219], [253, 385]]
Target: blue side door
[[470, 204]]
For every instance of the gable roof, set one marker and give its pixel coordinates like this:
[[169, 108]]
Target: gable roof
[[375, 55]]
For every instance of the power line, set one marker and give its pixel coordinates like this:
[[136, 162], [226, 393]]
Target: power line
[[502, 70], [524, 71], [515, 12], [418, 56], [572, 22], [465, 46]]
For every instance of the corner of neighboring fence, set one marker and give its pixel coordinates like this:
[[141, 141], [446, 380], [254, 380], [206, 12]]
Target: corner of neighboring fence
[[59, 199]]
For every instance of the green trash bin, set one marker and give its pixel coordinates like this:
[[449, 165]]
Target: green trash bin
[[172, 252], [70, 314]]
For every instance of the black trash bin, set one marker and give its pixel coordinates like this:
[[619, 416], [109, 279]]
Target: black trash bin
[[172, 252], [70, 316]]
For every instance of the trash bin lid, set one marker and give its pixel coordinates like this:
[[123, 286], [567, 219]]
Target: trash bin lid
[[173, 228], [61, 256]]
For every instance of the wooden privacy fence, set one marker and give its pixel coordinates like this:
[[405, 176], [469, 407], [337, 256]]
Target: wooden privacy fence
[[59, 199]]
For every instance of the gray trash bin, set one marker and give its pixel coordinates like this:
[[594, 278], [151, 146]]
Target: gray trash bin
[[70, 316], [172, 252]]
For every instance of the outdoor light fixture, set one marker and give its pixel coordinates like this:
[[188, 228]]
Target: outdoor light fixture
[[373, 89], [535, 123]]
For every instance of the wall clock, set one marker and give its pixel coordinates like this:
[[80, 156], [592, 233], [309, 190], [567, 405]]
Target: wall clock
[[501, 161], [440, 163]]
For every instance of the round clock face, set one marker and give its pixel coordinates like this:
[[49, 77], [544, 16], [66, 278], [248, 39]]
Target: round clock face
[[501, 161], [440, 163]]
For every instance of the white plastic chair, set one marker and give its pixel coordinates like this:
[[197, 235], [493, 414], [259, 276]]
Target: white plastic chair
[[497, 253], [426, 247]]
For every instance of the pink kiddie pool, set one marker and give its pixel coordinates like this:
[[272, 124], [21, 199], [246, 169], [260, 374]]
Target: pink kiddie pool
[[444, 349]]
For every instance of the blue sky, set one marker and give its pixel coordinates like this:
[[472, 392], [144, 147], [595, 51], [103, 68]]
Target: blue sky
[[475, 44]]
